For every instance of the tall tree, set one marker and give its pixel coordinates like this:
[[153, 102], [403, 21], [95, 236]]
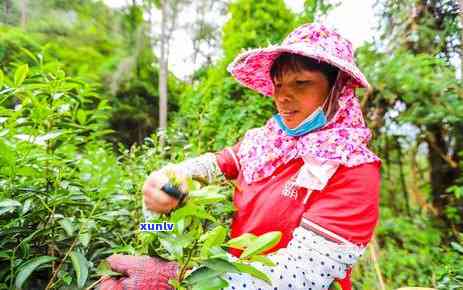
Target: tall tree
[[163, 68], [204, 28], [422, 38], [6, 10], [169, 14], [24, 8]]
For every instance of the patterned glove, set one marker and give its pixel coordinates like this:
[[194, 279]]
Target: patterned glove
[[203, 167], [142, 273]]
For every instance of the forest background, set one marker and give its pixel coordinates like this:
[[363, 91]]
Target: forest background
[[83, 94]]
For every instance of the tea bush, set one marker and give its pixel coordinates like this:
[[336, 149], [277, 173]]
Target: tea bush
[[65, 198], [67, 201]]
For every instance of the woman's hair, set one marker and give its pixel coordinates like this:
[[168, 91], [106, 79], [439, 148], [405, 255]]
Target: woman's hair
[[295, 62]]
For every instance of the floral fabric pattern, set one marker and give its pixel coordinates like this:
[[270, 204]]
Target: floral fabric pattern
[[343, 140], [252, 68]]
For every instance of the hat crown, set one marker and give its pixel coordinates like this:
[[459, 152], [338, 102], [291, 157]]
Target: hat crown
[[252, 68], [319, 37]]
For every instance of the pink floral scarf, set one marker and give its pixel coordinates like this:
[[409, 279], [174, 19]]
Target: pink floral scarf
[[343, 140]]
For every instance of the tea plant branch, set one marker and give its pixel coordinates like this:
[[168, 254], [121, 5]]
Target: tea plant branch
[[376, 264], [45, 205], [74, 243], [95, 283], [55, 272], [185, 265], [13, 256]]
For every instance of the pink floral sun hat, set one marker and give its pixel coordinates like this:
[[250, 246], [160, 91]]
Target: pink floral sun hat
[[343, 140], [252, 68]]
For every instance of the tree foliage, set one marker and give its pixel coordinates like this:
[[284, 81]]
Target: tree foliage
[[78, 111]]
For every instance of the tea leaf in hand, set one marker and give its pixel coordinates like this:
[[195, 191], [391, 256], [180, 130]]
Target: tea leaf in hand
[[262, 259], [246, 268], [104, 269], [262, 243], [241, 242]]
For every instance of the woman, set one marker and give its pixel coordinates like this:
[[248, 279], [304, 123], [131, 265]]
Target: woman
[[307, 173]]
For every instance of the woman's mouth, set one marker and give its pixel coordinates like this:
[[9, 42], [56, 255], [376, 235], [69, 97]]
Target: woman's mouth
[[288, 114]]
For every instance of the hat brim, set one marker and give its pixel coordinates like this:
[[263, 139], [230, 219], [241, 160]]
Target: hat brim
[[252, 68]]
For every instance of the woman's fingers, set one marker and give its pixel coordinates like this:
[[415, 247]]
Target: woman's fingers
[[124, 263], [156, 199], [180, 175], [159, 201]]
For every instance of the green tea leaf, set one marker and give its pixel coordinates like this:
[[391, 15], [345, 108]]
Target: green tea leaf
[[8, 206], [8, 155], [27, 171], [262, 259], [212, 284], [5, 255], [261, 244], [80, 264], [206, 195], [217, 252], [26, 270], [84, 239], [242, 241], [9, 203], [104, 269], [245, 268], [220, 265], [202, 274], [20, 74], [81, 117], [171, 246], [29, 54], [191, 210], [66, 224], [457, 247], [2, 78], [212, 238], [27, 206]]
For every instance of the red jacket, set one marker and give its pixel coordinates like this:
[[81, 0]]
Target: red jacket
[[348, 205]]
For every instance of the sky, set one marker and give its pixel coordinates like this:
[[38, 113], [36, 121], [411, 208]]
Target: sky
[[353, 21]]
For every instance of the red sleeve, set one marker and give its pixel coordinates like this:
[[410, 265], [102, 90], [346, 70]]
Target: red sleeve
[[228, 162], [349, 204]]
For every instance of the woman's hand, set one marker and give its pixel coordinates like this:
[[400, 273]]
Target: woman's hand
[[157, 200], [141, 273]]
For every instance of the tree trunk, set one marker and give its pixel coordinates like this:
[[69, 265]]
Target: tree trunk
[[402, 178], [23, 13], [443, 173], [7, 9], [461, 39], [163, 70], [415, 183]]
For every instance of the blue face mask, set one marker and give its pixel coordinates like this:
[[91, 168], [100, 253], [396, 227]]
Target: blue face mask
[[316, 120]]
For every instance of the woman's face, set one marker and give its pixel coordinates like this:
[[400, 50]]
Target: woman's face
[[298, 94]]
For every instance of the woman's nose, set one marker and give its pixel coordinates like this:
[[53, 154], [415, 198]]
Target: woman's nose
[[283, 96]]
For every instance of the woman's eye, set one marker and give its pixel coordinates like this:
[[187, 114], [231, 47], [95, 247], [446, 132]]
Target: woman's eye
[[302, 82]]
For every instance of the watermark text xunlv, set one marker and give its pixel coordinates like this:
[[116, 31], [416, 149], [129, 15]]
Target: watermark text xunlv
[[156, 227]]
